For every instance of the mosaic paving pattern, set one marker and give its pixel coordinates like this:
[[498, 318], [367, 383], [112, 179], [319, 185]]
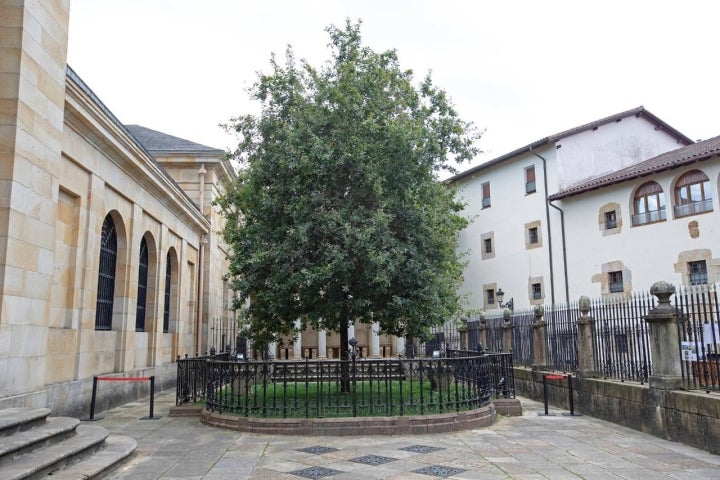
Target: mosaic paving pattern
[[317, 449], [372, 459], [315, 472], [421, 449], [439, 471]]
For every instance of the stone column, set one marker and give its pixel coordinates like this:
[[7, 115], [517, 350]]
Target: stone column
[[482, 332], [507, 331], [586, 341], [297, 344], [463, 331], [664, 341], [322, 343], [375, 340], [400, 345], [273, 350], [539, 339]]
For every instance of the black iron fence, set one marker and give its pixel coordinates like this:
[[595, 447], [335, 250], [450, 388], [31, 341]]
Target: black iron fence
[[192, 378], [699, 315], [340, 388]]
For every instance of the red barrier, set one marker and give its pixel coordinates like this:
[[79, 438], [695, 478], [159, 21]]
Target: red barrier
[[123, 379], [547, 377]]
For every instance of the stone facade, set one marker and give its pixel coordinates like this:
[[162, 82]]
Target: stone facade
[[67, 166]]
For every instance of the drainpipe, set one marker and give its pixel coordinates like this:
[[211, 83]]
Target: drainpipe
[[201, 267], [562, 230], [547, 220]]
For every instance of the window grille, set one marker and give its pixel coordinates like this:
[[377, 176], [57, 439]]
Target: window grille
[[168, 281], [697, 272], [106, 276], [616, 282], [142, 288]]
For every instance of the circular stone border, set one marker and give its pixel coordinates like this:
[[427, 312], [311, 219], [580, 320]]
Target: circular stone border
[[391, 425]]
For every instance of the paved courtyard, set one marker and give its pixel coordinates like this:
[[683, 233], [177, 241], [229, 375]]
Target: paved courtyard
[[530, 447]]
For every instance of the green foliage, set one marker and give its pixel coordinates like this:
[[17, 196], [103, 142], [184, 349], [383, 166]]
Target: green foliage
[[338, 212]]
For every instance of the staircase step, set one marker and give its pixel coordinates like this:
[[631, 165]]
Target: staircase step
[[53, 430], [117, 448], [88, 439], [18, 419]]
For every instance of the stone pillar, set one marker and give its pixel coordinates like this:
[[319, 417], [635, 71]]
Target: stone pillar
[[322, 343], [375, 340], [507, 331], [273, 350], [482, 332], [539, 340], [297, 344], [664, 341], [463, 331], [33, 49], [400, 345], [586, 341]]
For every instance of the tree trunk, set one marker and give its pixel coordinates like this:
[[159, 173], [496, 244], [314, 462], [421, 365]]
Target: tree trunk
[[344, 357]]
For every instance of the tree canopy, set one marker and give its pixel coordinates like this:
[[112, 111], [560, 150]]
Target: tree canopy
[[338, 213]]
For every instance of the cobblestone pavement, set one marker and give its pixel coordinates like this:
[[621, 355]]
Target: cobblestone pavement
[[529, 447]]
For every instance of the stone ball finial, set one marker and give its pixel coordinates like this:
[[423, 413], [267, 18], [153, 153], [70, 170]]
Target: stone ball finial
[[539, 311], [584, 305], [663, 291], [506, 315], [482, 318]]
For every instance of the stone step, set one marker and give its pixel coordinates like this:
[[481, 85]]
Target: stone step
[[14, 420], [36, 464], [54, 430], [117, 448]]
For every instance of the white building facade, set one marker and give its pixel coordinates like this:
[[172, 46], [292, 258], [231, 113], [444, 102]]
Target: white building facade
[[653, 221], [515, 242]]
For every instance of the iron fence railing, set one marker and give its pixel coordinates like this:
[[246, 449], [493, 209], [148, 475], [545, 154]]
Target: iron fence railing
[[699, 334], [621, 338], [192, 378], [357, 387]]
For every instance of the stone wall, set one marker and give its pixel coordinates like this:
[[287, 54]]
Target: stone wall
[[692, 418]]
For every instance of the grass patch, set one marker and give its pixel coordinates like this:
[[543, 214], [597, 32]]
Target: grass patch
[[325, 399]]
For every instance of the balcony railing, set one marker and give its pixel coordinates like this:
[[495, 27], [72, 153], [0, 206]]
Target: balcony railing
[[693, 208], [649, 217]]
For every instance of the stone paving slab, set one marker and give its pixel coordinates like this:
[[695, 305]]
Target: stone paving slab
[[529, 447]]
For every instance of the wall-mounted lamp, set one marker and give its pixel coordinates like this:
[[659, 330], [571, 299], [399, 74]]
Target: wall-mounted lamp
[[500, 295]]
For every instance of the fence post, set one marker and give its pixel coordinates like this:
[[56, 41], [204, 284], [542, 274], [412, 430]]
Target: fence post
[[507, 331], [539, 340], [664, 340], [463, 332], [482, 331], [586, 341]]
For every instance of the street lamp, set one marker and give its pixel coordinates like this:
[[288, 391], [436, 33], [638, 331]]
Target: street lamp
[[500, 295]]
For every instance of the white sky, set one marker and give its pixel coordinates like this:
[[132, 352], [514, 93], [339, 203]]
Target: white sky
[[522, 70]]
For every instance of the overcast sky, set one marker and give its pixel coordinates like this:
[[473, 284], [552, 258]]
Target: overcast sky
[[521, 70]]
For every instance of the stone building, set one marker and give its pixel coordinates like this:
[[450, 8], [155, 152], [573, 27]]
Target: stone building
[[110, 258], [518, 239]]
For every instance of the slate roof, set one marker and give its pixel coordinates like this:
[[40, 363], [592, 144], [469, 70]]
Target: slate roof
[[668, 160], [161, 143], [638, 111]]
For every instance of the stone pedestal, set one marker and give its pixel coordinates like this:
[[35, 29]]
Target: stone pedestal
[[586, 342], [664, 341], [507, 331], [539, 339]]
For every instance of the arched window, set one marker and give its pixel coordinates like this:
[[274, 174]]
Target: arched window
[[692, 194], [648, 204], [168, 281], [142, 288], [106, 276]]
